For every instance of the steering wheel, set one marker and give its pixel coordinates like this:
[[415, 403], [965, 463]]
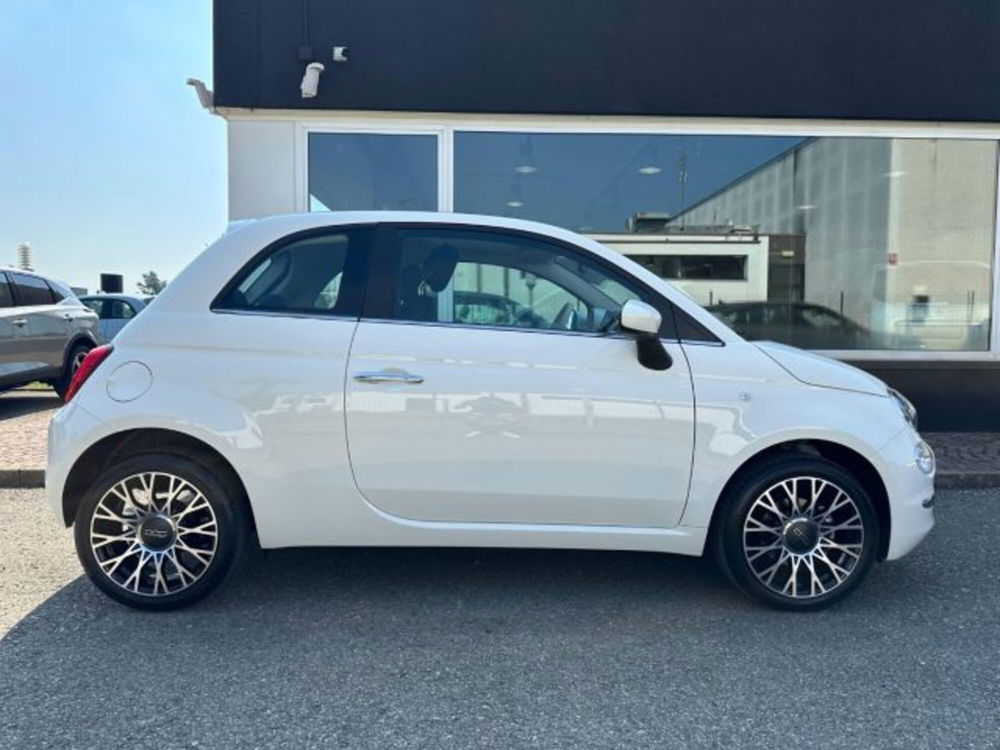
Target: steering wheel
[[566, 319]]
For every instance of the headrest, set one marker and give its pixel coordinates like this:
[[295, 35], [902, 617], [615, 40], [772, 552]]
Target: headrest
[[440, 266]]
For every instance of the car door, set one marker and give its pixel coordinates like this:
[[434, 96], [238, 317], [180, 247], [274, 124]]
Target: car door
[[547, 420], [44, 326], [12, 358]]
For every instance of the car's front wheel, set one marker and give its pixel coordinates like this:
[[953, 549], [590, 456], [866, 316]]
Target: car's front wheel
[[159, 531], [797, 533]]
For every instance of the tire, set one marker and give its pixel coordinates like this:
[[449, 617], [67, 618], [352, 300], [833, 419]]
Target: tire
[[160, 556], [806, 557], [73, 361]]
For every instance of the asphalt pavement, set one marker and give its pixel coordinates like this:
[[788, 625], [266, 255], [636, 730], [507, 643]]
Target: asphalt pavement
[[503, 648]]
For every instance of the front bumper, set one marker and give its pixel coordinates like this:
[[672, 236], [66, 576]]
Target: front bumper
[[911, 494]]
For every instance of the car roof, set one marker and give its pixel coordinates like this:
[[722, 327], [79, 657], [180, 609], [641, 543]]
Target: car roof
[[202, 279]]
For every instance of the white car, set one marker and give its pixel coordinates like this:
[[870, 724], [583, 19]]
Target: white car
[[317, 380]]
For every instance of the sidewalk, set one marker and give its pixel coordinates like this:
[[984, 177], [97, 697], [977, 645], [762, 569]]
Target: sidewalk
[[965, 459]]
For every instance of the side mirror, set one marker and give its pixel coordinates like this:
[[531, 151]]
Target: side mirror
[[639, 317], [644, 320]]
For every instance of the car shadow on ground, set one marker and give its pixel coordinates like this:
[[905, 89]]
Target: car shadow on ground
[[18, 403]]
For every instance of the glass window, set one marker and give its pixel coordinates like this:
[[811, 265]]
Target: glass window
[[821, 242], [6, 298], [97, 305], [316, 274], [367, 171], [31, 290], [116, 309], [478, 277], [61, 292]]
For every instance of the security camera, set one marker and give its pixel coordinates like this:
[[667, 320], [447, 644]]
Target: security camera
[[310, 81]]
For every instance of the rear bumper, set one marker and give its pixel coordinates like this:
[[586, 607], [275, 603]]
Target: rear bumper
[[911, 495], [68, 430]]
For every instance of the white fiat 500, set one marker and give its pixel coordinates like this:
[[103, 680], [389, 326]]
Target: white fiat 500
[[448, 380]]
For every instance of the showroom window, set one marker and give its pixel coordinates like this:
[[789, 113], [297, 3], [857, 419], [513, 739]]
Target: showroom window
[[836, 243], [369, 171]]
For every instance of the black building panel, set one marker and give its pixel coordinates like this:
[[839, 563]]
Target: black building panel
[[935, 60]]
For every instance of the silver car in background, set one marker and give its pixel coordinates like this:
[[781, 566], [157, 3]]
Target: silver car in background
[[114, 311], [45, 331]]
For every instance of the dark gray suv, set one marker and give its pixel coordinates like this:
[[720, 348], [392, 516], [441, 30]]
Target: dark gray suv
[[45, 331]]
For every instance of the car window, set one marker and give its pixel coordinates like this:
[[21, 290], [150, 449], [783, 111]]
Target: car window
[[116, 309], [307, 275], [31, 290], [817, 317], [6, 297], [61, 292], [97, 305], [482, 277]]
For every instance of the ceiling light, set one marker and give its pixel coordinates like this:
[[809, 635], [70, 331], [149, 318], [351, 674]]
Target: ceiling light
[[514, 204], [806, 207], [525, 169], [649, 169]]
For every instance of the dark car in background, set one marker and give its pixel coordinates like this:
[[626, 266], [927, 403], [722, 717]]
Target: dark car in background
[[45, 331], [804, 325]]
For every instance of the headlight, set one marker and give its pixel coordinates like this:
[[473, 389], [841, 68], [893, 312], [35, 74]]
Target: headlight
[[924, 457], [908, 409]]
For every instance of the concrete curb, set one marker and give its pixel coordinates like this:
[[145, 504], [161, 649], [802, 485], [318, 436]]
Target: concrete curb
[[950, 480], [22, 478]]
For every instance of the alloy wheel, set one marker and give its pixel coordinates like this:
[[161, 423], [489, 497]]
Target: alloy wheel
[[154, 534], [78, 358], [803, 537]]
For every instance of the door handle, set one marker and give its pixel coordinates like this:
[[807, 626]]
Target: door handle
[[20, 322], [387, 376]]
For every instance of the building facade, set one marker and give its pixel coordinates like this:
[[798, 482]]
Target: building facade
[[821, 174]]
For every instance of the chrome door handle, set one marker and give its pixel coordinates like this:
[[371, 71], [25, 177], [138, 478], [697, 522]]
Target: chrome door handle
[[20, 322], [385, 376]]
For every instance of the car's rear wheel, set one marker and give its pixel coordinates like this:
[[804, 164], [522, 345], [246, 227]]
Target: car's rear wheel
[[76, 356], [159, 531], [797, 533]]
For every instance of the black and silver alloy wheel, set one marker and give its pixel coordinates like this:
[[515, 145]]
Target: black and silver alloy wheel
[[154, 533], [160, 531], [799, 532], [803, 536]]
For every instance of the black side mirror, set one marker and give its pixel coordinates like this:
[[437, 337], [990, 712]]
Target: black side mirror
[[651, 353], [643, 321]]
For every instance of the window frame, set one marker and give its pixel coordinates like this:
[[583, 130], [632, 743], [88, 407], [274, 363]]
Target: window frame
[[379, 300], [356, 275]]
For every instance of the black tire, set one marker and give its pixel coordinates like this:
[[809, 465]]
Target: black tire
[[206, 560], [73, 360], [802, 580]]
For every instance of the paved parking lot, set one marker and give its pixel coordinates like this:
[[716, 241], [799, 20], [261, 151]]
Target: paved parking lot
[[503, 648]]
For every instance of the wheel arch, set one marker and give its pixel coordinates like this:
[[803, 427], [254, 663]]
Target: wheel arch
[[126, 443], [847, 458]]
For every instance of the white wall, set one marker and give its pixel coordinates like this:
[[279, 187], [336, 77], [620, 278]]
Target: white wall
[[262, 168]]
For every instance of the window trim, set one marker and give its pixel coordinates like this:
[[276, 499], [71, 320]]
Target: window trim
[[378, 305], [355, 288]]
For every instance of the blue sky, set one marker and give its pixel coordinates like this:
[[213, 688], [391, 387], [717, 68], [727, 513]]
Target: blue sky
[[107, 162]]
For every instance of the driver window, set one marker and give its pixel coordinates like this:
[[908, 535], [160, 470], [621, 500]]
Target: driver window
[[478, 277]]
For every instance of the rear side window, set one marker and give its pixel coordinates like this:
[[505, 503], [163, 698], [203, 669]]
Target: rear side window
[[61, 292], [319, 273], [6, 298], [31, 290]]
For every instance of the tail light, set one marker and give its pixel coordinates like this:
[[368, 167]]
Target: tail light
[[90, 363]]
